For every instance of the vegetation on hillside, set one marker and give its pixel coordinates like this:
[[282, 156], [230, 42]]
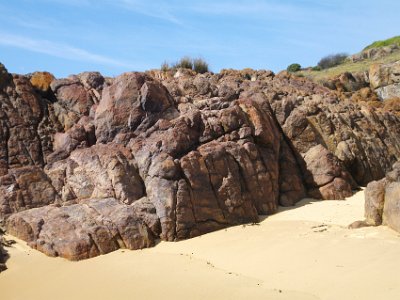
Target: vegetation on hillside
[[293, 68], [349, 66], [383, 43], [332, 60], [198, 65]]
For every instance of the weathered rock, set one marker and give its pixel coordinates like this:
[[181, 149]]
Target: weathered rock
[[3, 253], [80, 135], [205, 170], [123, 104], [25, 188], [73, 101], [206, 151], [364, 139], [291, 185], [374, 202], [101, 171], [325, 176], [348, 82], [391, 209], [382, 200], [88, 229], [5, 77], [385, 79], [374, 53]]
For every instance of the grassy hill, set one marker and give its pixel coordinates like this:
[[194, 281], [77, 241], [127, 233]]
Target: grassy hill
[[383, 43], [354, 67], [348, 66]]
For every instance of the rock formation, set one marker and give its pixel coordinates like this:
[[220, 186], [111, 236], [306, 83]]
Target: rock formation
[[375, 53], [91, 164], [382, 200], [385, 80], [3, 254], [382, 79]]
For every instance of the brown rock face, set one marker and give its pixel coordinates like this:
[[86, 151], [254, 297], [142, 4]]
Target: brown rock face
[[385, 79], [101, 171], [3, 253], [382, 200], [132, 99], [88, 229], [325, 175], [25, 188], [374, 201], [121, 163], [391, 209], [204, 170]]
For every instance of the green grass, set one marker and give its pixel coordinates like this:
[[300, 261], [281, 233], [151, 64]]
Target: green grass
[[379, 44], [348, 66]]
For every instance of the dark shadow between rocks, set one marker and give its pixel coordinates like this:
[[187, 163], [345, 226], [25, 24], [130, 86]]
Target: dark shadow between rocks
[[4, 256]]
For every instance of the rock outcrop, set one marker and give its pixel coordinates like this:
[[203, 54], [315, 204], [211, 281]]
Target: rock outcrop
[[385, 80], [382, 79], [3, 254], [326, 176], [382, 200], [375, 53], [88, 229], [91, 164]]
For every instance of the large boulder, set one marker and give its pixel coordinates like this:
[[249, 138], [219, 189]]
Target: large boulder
[[3, 253], [374, 202], [127, 102], [325, 176], [88, 229], [391, 209], [210, 169], [382, 200], [385, 79]]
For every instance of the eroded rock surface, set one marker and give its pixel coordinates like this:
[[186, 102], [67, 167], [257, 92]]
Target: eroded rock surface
[[91, 164], [87, 229], [382, 200], [3, 254]]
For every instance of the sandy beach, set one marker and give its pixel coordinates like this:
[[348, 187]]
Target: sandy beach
[[304, 252]]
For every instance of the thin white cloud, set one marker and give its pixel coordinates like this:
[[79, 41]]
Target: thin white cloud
[[58, 50], [155, 9], [241, 7]]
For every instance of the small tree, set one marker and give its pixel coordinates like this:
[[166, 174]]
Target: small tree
[[293, 68], [332, 60]]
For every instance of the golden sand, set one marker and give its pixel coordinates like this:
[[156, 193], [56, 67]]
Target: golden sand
[[305, 252]]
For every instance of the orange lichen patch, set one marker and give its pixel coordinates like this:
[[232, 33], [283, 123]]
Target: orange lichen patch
[[392, 104], [42, 80]]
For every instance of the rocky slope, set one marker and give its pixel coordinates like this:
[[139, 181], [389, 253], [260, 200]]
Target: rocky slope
[[91, 164]]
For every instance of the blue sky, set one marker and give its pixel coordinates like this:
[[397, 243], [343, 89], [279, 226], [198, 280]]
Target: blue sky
[[113, 36]]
